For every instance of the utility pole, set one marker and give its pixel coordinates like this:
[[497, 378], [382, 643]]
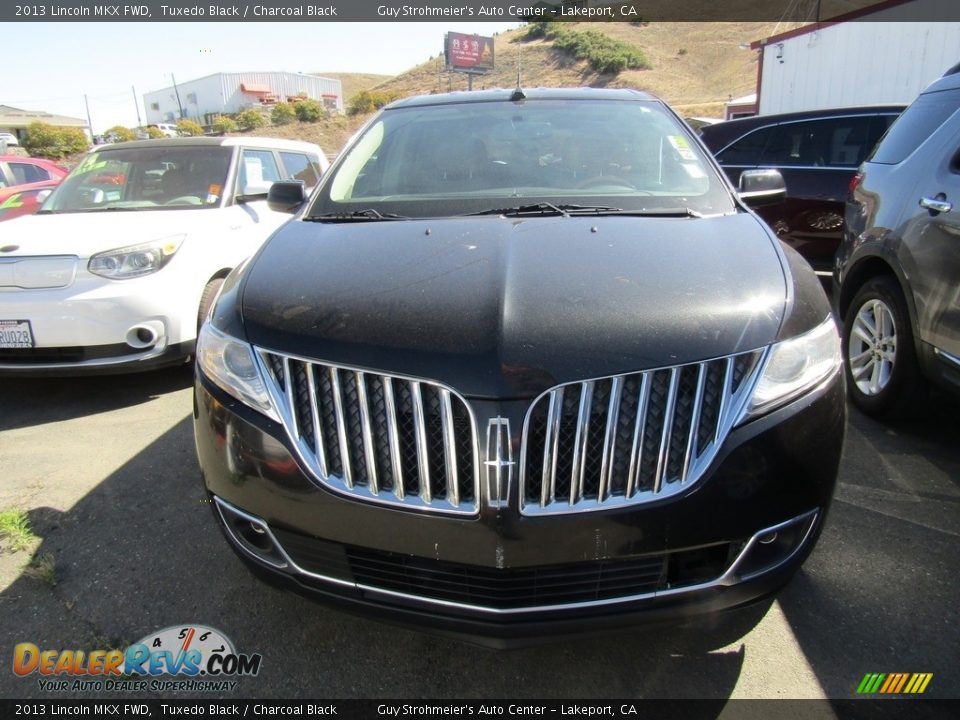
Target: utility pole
[[89, 121], [175, 90], [136, 104]]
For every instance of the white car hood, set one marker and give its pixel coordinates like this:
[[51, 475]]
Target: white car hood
[[86, 233]]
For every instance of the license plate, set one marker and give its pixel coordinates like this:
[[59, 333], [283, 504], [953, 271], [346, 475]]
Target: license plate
[[15, 334]]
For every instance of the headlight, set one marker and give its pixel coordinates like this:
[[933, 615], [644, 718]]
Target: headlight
[[795, 366], [135, 260], [231, 365]]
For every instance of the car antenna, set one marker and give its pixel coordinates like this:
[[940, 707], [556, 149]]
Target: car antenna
[[518, 93]]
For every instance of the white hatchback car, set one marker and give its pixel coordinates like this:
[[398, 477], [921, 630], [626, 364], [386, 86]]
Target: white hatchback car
[[123, 261]]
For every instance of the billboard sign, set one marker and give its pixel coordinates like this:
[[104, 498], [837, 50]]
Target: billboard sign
[[468, 53]]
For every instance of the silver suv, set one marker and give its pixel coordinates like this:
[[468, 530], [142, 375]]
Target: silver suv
[[897, 273]]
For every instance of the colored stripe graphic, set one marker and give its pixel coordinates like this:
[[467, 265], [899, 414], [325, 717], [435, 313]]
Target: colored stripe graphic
[[894, 683]]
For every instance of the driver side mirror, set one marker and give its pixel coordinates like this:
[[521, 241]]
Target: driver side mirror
[[762, 187], [287, 196]]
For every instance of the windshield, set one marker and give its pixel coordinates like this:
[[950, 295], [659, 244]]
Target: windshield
[[151, 178], [472, 157]]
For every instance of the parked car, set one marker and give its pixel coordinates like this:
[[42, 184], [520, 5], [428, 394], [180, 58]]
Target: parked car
[[8, 138], [25, 183], [524, 365], [817, 152], [125, 257], [897, 272], [168, 129]]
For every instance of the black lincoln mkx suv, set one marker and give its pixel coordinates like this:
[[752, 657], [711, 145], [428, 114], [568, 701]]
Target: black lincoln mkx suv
[[525, 363]]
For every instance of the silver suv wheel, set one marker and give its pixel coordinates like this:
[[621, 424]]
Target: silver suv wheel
[[872, 348]]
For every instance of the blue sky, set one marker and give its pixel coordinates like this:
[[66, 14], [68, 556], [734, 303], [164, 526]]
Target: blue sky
[[57, 63]]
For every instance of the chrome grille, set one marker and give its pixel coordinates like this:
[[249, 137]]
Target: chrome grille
[[630, 438], [381, 438]]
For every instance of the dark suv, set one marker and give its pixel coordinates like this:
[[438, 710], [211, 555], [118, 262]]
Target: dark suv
[[524, 364], [817, 152], [897, 276]]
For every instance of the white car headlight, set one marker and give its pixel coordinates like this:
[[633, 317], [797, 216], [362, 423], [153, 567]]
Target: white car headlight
[[135, 260], [231, 365], [796, 365]]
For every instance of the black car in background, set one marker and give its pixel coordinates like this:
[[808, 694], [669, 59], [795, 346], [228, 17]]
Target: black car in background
[[523, 365], [817, 152], [897, 275]]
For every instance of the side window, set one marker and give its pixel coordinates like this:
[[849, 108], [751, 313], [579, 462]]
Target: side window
[[849, 141], [747, 150], [301, 167], [258, 168], [24, 173], [879, 124], [918, 122], [832, 142]]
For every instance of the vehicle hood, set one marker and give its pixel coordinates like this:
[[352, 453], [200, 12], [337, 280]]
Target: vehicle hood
[[506, 308], [85, 234]]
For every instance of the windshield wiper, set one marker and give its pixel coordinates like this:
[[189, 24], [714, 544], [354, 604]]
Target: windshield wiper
[[658, 212], [366, 214], [546, 208]]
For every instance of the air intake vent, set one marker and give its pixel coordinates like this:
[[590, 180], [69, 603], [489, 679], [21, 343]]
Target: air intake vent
[[379, 438], [630, 438]]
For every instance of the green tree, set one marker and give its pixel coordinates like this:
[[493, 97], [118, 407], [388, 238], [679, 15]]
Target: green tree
[[119, 133], [154, 133], [283, 114], [250, 120], [189, 127], [366, 101], [308, 110], [45, 140], [223, 124]]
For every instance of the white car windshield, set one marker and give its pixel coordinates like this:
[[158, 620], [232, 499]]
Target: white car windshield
[[144, 178]]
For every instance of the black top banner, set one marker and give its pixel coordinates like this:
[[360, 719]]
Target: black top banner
[[622, 709], [478, 10]]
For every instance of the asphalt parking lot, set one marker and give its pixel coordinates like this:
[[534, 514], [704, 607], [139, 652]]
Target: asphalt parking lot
[[105, 468]]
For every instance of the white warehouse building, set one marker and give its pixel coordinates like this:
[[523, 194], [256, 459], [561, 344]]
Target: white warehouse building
[[881, 54], [223, 93]]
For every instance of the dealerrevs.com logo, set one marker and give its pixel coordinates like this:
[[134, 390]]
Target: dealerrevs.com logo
[[180, 657]]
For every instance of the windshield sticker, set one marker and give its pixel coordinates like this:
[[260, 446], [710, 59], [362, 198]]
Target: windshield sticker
[[679, 144]]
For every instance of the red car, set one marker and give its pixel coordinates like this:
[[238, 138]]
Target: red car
[[22, 180]]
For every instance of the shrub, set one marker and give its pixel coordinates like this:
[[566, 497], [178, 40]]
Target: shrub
[[250, 120], [283, 114], [48, 141], [308, 110], [154, 133], [223, 124], [604, 54], [366, 101], [119, 133], [189, 127]]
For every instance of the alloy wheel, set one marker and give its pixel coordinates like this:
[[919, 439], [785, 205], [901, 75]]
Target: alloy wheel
[[872, 348]]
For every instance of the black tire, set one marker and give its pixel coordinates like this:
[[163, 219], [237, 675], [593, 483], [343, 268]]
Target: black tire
[[207, 299], [883, 376]]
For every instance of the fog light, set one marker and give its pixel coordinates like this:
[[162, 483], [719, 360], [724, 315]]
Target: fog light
[[773, 546], [252, 535]]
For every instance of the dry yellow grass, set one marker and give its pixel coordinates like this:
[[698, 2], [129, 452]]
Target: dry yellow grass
[[696, 67]]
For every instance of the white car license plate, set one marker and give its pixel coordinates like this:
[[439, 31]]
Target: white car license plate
[[15, 334]]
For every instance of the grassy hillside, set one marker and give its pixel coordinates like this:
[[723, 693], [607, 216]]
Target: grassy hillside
[[693, 66], [354, 82]]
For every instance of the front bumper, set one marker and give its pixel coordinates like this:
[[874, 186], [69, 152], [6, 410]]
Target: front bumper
[[698, 552], [100, 326]]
